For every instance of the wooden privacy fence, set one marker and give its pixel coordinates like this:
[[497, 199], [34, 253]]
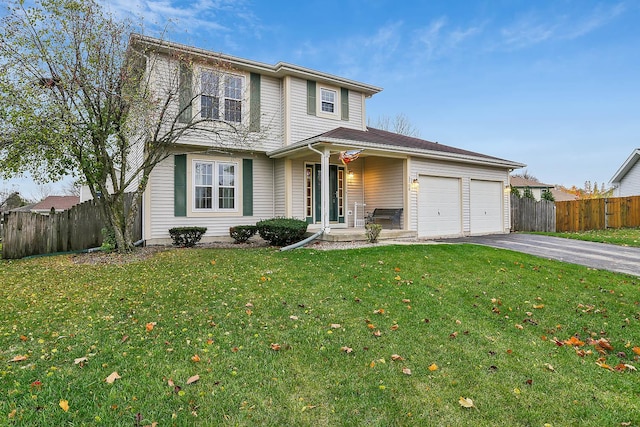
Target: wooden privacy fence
[[28, 233], [531, 215], [598, 214]]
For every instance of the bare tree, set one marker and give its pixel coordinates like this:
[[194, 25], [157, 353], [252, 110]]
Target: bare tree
[[80, 95], [400, 124], [526, 175]]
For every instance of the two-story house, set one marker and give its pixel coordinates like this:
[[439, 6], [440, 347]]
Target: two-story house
[[303, 150]]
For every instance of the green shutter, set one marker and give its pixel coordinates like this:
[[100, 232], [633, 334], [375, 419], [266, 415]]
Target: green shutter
[[344, 103], [180, 185], [254, 103], [185, 95], [247, 187], [311, 97]]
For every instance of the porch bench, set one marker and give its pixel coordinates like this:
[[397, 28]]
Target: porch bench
[[388, 214]]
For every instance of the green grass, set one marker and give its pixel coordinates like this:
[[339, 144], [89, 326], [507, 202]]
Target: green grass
[[614, 236], [455, 306]]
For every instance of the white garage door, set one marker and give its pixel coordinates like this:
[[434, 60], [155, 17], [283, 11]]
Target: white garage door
[[439, 207], [486, 207]]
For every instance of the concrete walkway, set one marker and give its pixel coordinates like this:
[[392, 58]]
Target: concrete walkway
[[600, 256]]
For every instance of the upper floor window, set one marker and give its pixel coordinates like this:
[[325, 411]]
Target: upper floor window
[[214, 186], [212, 91], [328, 100]]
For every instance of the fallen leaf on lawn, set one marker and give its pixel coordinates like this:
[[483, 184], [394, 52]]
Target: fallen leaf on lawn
[[519, 326], [213, 262], [171, 383], [112, 377], [124, 338], [604, 343], [574, 341], [406, 371], [275, 346], [195, 358], [18, 358], [465, 402], [235, 350], [604, 366], [406, 301], [379, 311], [458, 322], [64, 404], [396, 269], [394, 327], [13, 413], [433, 367], [149, 326], [453, 335], [346, 349], [23, 338], [193, 379], [248, 305], [293, 317], [372, 364], [80, 360], [377, 334], [549, 367], [539, 306], [636, 350], [630, 367], [249, 312], [155, 423], [307, 407], [370, 326], [396, 357], [336, 326]]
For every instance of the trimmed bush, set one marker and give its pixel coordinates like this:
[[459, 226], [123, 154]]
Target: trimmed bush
[[242, 233], [282, 231], [186, 236], [372, 231]]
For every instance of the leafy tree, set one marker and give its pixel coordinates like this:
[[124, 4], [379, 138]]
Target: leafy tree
[[76, 97], [11, 200], [548, 195], [516, 192], [527, 193]]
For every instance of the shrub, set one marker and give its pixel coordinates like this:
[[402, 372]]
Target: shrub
[[282, 231], [516, 192], [373, 231], [186, 236], [242, 233], [548, 195], [527, 193]]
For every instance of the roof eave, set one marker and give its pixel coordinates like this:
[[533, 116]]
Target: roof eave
[[626, 166], [431, 154], [280, 70]]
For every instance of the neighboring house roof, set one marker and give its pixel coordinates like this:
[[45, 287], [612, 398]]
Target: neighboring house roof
[[517, 181], [25, 208], [562, 196], [60, 203], [279, 70], [626, 167], [389, 142]]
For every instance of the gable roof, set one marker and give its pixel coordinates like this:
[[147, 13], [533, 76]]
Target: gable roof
[[517, 181], [626, 166], [380, 141], [59, 203], [279, 70]]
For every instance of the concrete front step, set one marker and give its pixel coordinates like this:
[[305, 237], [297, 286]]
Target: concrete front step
[[356, 234]]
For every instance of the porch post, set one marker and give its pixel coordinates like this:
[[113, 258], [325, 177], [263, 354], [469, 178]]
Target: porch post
[[324, 188]]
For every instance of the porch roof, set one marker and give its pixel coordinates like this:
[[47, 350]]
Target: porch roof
[[383, 143]]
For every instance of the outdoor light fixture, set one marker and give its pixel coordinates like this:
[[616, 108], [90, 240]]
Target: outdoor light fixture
[[350, 174], [415, 184]]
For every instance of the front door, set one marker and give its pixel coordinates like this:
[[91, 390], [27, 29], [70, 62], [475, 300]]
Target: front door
[[313, 195]]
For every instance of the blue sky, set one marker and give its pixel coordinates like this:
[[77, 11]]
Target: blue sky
[[553, 84]]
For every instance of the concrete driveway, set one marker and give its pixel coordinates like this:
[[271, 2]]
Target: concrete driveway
[[600, 256]]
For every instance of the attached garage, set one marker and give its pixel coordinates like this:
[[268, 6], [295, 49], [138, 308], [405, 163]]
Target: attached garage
[[439, 206], [486, 204]]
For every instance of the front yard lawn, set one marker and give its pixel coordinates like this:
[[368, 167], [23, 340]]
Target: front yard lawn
[[389, 335], [615, 236]]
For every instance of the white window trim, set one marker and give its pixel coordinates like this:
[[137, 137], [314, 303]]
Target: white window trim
[[236, 187], [336, 106], [222, 84]]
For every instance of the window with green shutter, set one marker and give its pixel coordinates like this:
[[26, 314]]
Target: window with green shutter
[[180, 185], [247, 187], [254, 103], [311, 97]]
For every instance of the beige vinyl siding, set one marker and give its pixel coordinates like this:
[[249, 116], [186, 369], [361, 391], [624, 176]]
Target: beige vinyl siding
[[466, 173], [304, 126], [279, 188], [355, 191], [272, 112], [161, 202], [384, 183], [630, 184]]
